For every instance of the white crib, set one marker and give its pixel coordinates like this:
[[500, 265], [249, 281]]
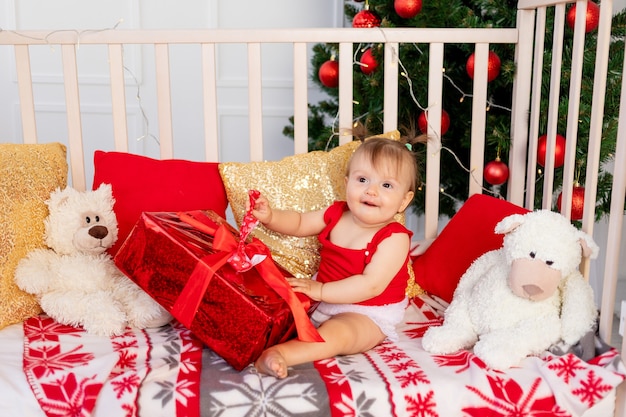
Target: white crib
[[527, 38]]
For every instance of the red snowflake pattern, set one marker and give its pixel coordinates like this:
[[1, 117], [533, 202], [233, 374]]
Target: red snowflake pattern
[[126, 360], [45, 329], [46, 360], [413, 378], [124, 344], [566, 367], [422, 406], [128, 383], [509, 399], [68, 397], [591, 389], [393, 356]]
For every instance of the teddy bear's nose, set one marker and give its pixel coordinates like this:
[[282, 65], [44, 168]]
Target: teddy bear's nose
[[99, 232], [532, 290]]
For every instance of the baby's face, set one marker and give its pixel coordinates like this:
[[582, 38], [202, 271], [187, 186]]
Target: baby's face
[[376, 194]]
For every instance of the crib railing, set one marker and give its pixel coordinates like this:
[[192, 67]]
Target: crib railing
[[528, 38]]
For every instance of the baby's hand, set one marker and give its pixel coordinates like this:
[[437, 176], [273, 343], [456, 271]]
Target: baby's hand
[[309, 287], [262, 209]]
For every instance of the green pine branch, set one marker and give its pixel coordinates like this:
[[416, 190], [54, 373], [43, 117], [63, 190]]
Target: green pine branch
[[368, 92]]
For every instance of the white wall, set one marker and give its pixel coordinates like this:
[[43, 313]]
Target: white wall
[[85, 15]]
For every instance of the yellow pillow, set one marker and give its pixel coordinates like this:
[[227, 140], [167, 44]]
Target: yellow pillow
[[28, 174], [303, 182]]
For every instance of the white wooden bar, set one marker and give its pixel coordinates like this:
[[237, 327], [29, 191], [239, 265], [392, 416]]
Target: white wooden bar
[[535, 109], [479, 114], [311, 35], [209, 95], [390, 100], [345, 92], [553, 105], [569, 168], [255, 101], [301, 99], [25, 87], [74, 124], [597, 110], [434, 146], [519, 110], [118, 97], [164, 100]]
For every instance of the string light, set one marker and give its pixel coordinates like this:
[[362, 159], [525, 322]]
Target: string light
[[79, 34], [405, 74]]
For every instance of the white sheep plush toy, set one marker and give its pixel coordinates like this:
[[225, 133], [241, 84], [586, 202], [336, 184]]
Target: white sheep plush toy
[[75, 279], [520, 299]]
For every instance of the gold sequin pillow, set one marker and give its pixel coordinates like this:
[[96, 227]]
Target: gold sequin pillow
[[303, 182], [28, 174]]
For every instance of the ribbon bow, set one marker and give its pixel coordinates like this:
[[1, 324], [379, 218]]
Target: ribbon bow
[[241, 257]]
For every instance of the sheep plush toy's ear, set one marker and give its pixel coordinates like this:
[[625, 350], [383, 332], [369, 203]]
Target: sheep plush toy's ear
[[589, 247], [509, 223]]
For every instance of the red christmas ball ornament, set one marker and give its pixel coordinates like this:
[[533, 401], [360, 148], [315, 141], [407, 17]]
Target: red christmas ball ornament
[[493, 66], [592, 17], [559, 150], [496, 172], [369, 63], [366, 19], [578, 202], [329, 73], [422, 121], [407, 9]]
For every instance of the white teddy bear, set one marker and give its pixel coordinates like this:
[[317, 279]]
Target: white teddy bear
[[75, 280], [522, 298]]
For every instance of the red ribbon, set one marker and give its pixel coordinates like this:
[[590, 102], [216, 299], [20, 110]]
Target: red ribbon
[[225, 245]]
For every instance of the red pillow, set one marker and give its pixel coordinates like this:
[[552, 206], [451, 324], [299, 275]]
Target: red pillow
[[468, 235], [143, 184]]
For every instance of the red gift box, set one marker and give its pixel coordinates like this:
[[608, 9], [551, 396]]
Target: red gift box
[[182, 261]]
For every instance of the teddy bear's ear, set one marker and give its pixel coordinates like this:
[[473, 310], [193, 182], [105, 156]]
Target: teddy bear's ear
[[105, 190], [509, 223], [589, 247], [58, 197]]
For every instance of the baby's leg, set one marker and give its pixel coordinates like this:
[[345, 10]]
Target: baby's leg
[[343, 334]]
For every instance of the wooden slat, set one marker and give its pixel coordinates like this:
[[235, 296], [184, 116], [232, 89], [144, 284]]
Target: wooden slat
[[25, 91], [569, 168], [255, 101], [535, 108], [595, 127], [118, 97], [433, 148], [209, 96], [164, 100], [309, 35], [390, 99], [479, 104], [520, 107], [616, 225], [553, 105], [346, 83], [74, 126], [535, 4], [300, 98]]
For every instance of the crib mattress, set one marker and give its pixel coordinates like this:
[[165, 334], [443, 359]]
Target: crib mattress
[[393, 379]]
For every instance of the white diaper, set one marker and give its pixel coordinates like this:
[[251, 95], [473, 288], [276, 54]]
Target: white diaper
[[386, 316]]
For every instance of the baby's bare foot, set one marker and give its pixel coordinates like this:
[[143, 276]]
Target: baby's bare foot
[[271, 362]]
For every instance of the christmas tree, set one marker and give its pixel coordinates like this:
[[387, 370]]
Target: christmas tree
[[456, 117]]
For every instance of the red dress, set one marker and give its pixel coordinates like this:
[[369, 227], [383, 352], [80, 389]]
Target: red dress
[[337, 263]]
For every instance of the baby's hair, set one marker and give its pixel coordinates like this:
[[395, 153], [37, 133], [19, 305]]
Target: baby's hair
[[401, 153]]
